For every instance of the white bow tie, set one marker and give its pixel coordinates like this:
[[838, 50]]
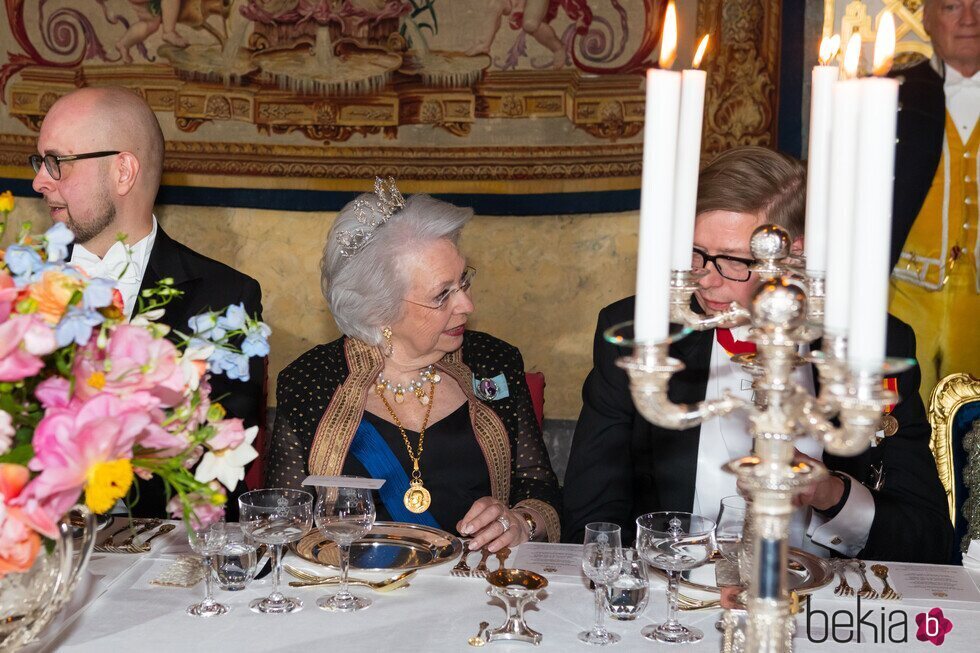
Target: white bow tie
[[117, 264], [961, 83]]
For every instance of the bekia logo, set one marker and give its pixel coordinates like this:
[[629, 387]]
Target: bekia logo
[[933, 626], [876, 625]]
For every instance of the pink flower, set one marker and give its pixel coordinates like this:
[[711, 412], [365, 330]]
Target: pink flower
[[8, 293], [15, 362], [230, 434], [68, 444], [203, 511], [53, 392], [133, 361], [6, 431], [19, 542]]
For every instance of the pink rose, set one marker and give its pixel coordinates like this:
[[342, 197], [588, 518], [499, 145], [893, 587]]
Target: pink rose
[[15, 362]]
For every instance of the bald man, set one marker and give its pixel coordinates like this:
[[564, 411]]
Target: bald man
[[99, 163], [935, 250]]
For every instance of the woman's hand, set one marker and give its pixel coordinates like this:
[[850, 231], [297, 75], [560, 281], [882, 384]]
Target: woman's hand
[[493, 525]]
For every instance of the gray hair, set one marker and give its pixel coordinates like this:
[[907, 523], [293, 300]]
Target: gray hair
[[364, 292]]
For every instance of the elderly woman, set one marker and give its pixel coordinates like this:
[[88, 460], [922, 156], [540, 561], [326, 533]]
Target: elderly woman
[[408, 394]]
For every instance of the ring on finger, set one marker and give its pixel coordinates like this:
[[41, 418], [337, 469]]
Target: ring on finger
[[502, 519]]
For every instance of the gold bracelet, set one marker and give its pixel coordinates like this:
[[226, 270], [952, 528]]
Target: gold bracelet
[[529, 520]]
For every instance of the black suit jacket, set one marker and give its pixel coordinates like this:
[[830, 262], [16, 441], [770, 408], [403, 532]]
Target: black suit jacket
[[621, 466], [921, 124], [207, 285]]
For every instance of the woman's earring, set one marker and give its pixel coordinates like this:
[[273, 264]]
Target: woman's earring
[[389, 348]]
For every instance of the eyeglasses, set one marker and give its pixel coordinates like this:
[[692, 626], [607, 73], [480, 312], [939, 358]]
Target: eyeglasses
[[441, 300], [732, 268], [52, 162]]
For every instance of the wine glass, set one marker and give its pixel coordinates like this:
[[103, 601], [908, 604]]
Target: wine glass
[[206, 540], [602, 560], [674, 542], [627, 595], [235, 563], [276, 517], [731, 524], [344, 515]]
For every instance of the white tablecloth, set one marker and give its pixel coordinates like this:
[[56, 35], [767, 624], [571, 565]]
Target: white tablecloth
[[116, 609]]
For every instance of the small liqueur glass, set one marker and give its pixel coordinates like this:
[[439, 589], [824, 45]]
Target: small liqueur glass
[[674, 542], [344, 514], [627, 596], [235, 563], [276, 517], [602, 560], [207, 541]]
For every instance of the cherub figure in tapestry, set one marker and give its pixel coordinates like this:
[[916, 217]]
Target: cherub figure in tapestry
[[534, 18]]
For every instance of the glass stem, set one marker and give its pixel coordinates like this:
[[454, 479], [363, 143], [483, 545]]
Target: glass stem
[[276, 572], [208, 599], [600, 613], [673, 586], [344, 568]]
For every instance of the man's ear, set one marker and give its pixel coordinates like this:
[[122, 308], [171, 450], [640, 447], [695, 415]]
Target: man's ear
[[796, 249], [127, 171]]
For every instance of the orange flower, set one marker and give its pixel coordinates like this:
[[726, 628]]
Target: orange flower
[[52, 294]]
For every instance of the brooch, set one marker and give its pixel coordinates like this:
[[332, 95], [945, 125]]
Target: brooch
[[492, 389]]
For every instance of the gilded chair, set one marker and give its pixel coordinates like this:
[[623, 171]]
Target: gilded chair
[[954, 412]]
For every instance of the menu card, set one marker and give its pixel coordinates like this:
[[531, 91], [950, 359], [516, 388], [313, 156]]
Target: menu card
[[932, 582], [553, 561]]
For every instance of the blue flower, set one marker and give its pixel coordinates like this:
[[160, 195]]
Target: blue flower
[[98, 293], [206, 326], [57, 239], [76, 326], [234, 318], [257, 328], [23, 260], [255, 345], [235, 366]]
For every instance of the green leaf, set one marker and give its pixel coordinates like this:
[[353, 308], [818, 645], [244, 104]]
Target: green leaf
[[19, 455]]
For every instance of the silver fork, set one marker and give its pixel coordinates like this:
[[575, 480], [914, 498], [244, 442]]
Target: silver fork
[[843, 588], [126, 546], [145, 546], [481, 570], [866, 591]]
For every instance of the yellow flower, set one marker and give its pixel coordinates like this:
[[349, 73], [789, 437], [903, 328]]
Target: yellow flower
[[6, 202], [106, 483]]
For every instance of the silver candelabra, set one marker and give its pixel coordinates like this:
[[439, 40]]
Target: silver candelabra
[[782, 319]]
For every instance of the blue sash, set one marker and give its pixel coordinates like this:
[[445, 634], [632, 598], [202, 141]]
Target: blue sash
[[371, 450]]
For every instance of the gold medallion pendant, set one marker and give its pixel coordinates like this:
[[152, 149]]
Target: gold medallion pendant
[[417, 498], [889, 425]]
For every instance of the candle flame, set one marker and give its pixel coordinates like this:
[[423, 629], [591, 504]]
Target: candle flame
[[668, 42], [884, 44], [699, 55], [829, 47], [852, 56]]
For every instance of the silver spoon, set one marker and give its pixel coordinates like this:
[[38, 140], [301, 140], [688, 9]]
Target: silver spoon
[[480, 638]]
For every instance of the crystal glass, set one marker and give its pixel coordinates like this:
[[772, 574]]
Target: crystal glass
[[235, 563], [276, 517], [627, 596], [731, 524], [344, 515], [207, 541], [674, 542], [602, 560]]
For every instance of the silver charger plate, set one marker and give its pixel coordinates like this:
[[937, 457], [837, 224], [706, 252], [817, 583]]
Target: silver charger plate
[[806, 574], [390, 546]]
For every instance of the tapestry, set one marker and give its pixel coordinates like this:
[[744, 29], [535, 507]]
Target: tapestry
[[449, 96]]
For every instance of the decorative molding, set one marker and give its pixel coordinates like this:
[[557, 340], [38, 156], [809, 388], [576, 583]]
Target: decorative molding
[[950, 394]]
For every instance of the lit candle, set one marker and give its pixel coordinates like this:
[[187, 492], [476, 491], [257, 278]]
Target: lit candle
[[872, 228], [688, 160], [818, 156], [843, 152], [651, 319]]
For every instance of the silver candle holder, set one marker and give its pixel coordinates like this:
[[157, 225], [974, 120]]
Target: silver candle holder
[[782, 320]]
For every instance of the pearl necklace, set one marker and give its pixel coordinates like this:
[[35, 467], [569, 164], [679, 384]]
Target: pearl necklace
[[415, 387]]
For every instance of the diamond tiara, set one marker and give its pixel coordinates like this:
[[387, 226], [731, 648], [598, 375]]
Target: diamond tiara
[[372, 213]]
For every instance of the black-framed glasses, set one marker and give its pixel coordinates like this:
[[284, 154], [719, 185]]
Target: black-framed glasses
[[52, 162], [441, 300], [732, 268]]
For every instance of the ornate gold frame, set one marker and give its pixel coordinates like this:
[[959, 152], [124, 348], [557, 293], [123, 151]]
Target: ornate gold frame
[[949, 395]]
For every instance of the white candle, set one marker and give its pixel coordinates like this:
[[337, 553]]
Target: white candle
[[818, 167], [688, 160], [843, 152], [873, 224], [651, 320]]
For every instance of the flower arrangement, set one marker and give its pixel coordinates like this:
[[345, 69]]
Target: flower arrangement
[[89, 399]]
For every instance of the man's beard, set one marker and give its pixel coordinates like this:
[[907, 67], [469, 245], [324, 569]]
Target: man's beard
[[106, 215]]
